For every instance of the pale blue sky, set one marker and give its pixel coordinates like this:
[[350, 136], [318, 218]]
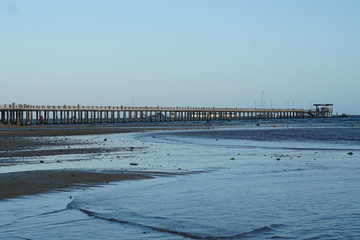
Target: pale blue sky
[[211, 53]]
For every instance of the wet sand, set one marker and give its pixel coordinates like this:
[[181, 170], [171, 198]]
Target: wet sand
[[19, 138], [30, 137], [36, 182], [51, 130], [26, 141]]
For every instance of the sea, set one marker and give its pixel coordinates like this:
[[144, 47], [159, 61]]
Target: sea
[[264, 179]]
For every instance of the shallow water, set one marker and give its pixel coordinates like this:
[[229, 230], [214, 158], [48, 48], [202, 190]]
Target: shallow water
[[297, 182]]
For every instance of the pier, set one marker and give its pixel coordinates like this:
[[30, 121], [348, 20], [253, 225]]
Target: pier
[[23, 114]]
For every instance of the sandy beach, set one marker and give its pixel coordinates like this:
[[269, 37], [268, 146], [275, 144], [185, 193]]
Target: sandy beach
[[36, 182], [19, 142]]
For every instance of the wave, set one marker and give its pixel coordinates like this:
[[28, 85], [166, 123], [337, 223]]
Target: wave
[[185, 229]]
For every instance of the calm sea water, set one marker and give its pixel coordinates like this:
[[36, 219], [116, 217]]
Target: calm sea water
[[299, 180]]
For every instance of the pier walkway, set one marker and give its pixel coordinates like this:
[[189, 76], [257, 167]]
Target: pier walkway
[[23, 114]]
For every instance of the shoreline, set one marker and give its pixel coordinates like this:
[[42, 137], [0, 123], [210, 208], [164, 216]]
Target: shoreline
[[47, 130], [40, 141], [19, 184], [14, 138]]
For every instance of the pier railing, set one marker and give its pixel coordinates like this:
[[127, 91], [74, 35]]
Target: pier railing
[[129, 108]]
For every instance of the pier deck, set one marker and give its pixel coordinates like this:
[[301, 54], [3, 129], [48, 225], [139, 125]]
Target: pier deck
[[23, 114]]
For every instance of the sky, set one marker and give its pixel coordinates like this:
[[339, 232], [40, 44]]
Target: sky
[[198, 53]]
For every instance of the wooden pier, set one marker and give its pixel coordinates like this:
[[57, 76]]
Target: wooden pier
[[23, 114]]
